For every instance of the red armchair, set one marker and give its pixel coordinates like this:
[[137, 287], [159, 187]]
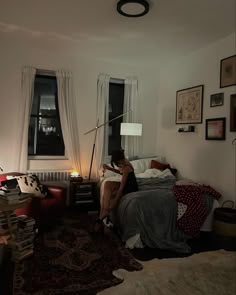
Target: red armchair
[[46, 210]]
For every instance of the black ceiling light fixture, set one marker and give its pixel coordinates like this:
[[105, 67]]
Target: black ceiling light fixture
[[133, 8]]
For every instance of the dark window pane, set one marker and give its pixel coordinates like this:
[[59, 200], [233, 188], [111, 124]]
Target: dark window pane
[[116, 106], [49, 143], [45, 136], [47, 104]]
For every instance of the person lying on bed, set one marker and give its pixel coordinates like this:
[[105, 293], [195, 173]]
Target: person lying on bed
[[114, 190]]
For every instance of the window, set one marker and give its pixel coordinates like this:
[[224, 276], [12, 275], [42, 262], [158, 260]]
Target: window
[[45, 136], [116, 107]]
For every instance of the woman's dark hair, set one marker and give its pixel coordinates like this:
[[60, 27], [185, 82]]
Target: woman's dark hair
[[117, 156]]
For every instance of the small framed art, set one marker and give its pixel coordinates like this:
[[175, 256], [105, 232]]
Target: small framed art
[[215, 129], [189, 104], [233, 112], [217, 99], [228, 71]]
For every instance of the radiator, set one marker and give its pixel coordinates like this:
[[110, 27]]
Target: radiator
[[54, 176]]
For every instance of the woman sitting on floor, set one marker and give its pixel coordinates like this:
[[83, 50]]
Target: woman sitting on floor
[[114, 190]]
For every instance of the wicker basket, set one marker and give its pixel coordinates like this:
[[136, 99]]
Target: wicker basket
[[224, 223]]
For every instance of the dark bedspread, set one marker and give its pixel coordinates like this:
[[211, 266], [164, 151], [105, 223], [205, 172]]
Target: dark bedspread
[[152, 214]]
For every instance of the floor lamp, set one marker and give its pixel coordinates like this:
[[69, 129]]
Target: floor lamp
[[131, 129], [95, 137]]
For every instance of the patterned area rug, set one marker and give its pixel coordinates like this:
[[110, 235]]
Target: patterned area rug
[[69, 260]]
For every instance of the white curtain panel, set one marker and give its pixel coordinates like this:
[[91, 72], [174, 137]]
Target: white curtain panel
[[69, 124], [27, 94], [130, 143], [101, 148]]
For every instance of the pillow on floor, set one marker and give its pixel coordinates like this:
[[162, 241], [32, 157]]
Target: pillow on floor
[[30, 184]]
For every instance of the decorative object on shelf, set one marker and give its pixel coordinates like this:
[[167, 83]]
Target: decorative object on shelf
[[189, 103], [133, 8], [233, 112], [228, 71], [215, 129], [217, 99], [190, 128]]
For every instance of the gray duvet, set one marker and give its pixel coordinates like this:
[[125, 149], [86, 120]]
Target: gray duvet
[[152, 214]]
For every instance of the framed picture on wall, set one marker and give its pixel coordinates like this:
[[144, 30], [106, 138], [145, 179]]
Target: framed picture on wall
[[228, 71], [215, 129], [233, 112], [189, 104], [217, 99]]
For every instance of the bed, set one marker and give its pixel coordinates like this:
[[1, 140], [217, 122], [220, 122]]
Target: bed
[[158, 215]]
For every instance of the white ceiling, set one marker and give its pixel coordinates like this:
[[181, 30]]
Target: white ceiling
[[93, 27]]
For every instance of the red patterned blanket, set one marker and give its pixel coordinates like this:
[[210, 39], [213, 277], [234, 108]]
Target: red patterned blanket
[[196, 212]]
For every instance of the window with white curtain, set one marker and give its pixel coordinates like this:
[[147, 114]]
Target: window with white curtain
[[116, 108], [45, 135]]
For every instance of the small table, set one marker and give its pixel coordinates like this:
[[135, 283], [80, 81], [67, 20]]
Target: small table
[[83, 193]]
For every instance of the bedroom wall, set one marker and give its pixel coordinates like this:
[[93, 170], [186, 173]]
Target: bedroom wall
[[15, 53], [210, 162]]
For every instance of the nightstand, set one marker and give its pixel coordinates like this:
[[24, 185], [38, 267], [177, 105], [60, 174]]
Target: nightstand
[[83, 194]]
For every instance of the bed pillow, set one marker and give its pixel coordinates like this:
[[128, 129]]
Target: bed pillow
[[141, 165], [30, 184], [162, 166]]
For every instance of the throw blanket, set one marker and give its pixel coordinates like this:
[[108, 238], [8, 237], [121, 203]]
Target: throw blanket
[[152, 215], [165, 182], [196, 212]]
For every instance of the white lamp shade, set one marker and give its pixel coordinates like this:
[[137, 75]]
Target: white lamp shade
[[133, 129]]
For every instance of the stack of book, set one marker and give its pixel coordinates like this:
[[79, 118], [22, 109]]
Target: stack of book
[[12, 196], [23, 243], [4, 225]]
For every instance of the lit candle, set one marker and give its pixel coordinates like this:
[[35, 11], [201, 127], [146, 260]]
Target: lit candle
[[74, 174]]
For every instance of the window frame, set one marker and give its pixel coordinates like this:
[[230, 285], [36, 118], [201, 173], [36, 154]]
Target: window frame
[[48, 74]]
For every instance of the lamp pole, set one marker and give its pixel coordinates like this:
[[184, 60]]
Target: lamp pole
[[95, 137]]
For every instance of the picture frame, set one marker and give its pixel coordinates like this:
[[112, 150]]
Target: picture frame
[[228, 71], [189, 104], [215, 129], [233, 112], [217, 99]]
